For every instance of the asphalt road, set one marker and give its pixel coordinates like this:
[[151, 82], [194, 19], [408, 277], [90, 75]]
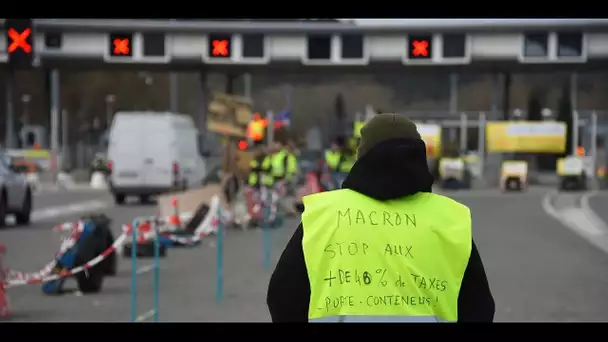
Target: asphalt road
[[187, 276], [599, 204], [538, 269]]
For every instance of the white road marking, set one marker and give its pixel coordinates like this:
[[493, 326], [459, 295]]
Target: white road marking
[[69, 209], [579, 221], [145, 315], [144, 269], [576, 217], [598, 221]]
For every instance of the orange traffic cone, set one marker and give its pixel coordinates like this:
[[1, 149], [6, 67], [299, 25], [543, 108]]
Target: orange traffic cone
[[174, 222]]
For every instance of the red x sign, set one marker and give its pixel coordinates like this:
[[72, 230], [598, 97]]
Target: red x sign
[[121, 46], [420, 48], [220, 48], [19, 40]]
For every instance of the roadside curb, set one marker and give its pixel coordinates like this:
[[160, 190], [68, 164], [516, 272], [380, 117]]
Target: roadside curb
[[579, 218]]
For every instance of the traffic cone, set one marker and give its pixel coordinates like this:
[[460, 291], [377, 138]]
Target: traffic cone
[[174, 221], [5, 309]]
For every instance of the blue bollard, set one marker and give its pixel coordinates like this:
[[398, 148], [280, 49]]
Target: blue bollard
[[219, 269], [155, 274], [156, 280], [134, 270], [266, 236]]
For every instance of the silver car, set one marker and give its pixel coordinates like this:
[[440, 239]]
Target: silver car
[[15, 193]]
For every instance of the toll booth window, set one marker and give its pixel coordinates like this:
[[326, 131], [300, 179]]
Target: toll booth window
[[420, 46], [154, 44], [120, 44], [454, 45], [53, 40], [569, 44], [253, 46], [536, 44], [319, 47], [352, 46], [220, 45]]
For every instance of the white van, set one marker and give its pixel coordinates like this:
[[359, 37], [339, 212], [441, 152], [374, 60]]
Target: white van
[[152, 153]]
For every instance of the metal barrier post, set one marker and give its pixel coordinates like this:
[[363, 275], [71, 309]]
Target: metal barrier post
[[155, 274], [219, 269], [464, 130], [481, 144], [134, 225], [266, 234], [593, 151], [266, 229]]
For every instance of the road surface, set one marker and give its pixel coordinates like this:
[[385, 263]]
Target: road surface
[[538, 269]]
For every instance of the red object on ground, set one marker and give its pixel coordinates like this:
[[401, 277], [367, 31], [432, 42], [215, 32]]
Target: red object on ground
[[311, 186], [5, 309], [254, 207]]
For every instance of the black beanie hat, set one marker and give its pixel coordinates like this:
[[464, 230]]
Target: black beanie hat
[[384, 127]]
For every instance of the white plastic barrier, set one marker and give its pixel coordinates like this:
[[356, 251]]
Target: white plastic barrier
[[98, 181]]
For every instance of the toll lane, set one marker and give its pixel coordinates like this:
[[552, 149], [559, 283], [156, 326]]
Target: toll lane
[[538, 269]]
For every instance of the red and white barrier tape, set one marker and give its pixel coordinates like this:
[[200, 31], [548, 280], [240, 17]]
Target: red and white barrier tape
[[67, 243], [19, 282], [207, 227]]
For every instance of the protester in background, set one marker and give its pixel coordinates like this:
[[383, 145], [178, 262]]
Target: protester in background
[[421, 243], [334, 157]]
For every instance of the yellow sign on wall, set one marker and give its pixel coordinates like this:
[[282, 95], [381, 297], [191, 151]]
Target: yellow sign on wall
[[431, 134], [526, 137]]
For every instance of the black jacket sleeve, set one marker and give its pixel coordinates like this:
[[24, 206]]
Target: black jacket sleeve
[[475, 301], [289, 290]]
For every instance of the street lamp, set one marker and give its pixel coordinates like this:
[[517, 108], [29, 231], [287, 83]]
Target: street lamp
[[25, 100], [110, 99]]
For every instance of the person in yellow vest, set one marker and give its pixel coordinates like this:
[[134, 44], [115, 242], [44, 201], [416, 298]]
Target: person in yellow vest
[[284, 164], [338, 161], [254, 180], [383, 248]]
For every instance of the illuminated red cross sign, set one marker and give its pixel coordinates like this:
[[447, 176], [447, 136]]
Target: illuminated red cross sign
[[220, 48], [121, 46], [420, 48], [19, 40]]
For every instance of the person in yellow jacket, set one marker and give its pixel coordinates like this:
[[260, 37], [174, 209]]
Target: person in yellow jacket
[[283, 163], [383, 248], [339, 161], [256, 172]]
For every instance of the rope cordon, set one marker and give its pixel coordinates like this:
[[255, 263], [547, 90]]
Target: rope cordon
[[146, 231]]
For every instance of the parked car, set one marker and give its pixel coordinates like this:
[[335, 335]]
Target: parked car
[[15, 192]]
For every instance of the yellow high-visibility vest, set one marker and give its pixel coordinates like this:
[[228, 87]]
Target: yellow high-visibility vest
[[332, 159], [267, 179], [253, 175], [284, 165], [384, 261], [347, 164]]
